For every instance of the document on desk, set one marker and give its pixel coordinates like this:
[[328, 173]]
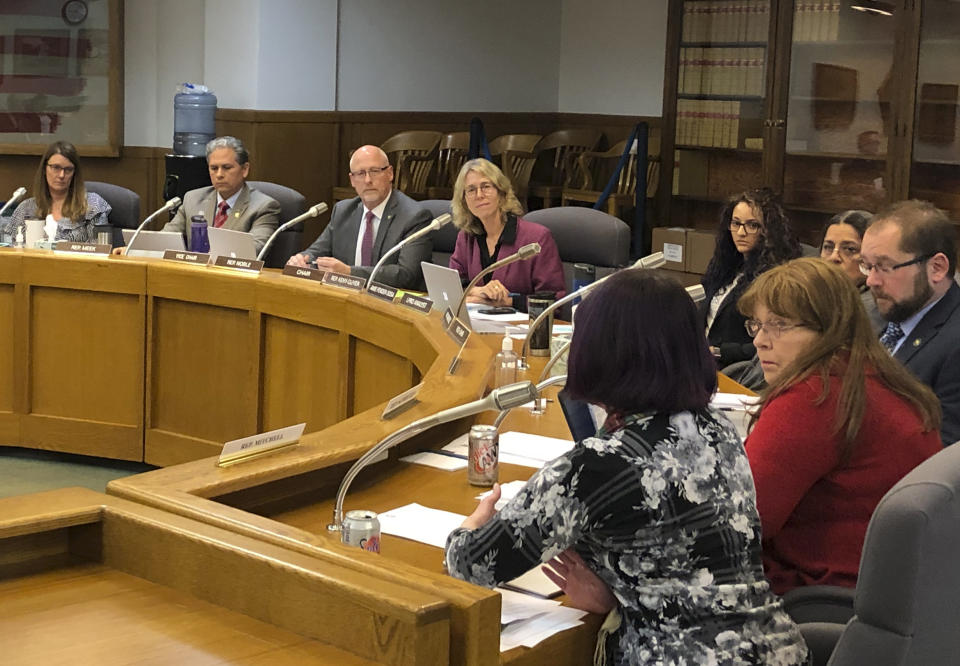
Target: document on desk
[[420, 523], [520, 448], [533, 630], [737, 407], [440, 461]]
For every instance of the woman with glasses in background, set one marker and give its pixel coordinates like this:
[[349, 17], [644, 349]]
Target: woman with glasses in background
[[487, 212], [59, 193], [839, 423], [840, 245], [754, 236]]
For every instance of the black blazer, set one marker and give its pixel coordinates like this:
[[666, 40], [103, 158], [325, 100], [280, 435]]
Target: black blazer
[[932, 354], [727, 332]]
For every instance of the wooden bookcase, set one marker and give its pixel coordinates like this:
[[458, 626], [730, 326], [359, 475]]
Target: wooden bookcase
[[832, 106]]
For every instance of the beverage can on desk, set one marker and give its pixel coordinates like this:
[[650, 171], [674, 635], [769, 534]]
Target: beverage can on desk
[[362, 529], [483, 455]]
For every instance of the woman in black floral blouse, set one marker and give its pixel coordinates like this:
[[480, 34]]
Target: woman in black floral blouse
[[660, 504]]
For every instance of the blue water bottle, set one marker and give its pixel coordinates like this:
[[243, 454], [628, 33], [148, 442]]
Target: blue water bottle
[[198, 234]]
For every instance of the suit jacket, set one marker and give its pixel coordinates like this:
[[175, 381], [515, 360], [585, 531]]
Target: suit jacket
[[727, 332], [932, 354], [401, 217], [253, 212]]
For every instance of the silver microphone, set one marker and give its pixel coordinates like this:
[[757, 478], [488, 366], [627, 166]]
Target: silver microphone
[[14, 198], [502, 399], [524, 252], [654, 260], [170, 205], [437, 222], [313, 211]]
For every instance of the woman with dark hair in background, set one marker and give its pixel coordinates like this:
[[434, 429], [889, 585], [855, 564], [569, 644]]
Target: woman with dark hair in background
[[840, 245], [659, 504], [58, 191], [754, 236]]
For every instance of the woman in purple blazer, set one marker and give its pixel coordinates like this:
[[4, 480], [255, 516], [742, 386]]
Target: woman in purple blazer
[[487, 212]]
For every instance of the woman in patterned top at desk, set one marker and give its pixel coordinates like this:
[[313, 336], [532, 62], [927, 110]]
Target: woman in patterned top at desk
[[754, 236], [487, 212], [660, 503], [58, 191]]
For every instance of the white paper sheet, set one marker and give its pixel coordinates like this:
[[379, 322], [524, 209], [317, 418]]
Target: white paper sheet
[[437, 460], [419, 523], [531, 631], [518, 448], [516, 606], [508, 491]]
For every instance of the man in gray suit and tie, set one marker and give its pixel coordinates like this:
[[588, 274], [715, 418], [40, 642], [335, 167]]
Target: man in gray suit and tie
[[230, 203], [361, 230], [909, 256]]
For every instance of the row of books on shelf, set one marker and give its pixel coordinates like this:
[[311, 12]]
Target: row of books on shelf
[[726, 21], [709, 123], [721, 71], [816, 21]]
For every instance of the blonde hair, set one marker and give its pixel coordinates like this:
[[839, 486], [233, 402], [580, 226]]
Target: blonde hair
[[821, 297], [462, 217]]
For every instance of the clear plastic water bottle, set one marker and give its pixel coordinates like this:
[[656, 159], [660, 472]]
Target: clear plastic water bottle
[[199, 242], [194, 112]]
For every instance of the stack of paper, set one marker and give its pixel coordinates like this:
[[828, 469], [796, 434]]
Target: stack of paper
[[520, 448], [737, 408]]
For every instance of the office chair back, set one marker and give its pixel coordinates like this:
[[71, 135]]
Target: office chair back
[[444, 239], [292, 203], [124, 204]]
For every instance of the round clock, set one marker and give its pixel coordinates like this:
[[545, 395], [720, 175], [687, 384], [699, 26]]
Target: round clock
[[74, 11]]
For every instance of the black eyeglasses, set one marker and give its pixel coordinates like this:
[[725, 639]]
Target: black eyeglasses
[[373, 171], [751, 227], [866, 267]]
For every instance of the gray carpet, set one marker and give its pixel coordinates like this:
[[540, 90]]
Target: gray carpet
[[28, 471]]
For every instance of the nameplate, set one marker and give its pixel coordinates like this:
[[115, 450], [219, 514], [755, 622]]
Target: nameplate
[[251, 265], [187, 257], [401, 403], [448, 318], [458, 332], [248, 447], [351, 282], [82, 248], [304, 273], [418, 303], [382, 291]]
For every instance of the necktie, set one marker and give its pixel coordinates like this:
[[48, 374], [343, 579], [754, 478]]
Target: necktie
[[891, 334], [221, 215], [366, 245]]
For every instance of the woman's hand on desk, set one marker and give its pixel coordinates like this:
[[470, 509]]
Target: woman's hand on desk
[[119, 250], [584, 588], [484, 511], [492, 293]]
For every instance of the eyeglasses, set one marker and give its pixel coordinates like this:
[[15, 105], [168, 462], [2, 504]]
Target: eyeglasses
[[846, 249], [65, 170], [883, 269], [373, 171], [750, 227], [773, 328], [473, 190]]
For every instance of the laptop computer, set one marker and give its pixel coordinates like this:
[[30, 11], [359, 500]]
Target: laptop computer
[[230, 243], [152, 243], [444, 288]]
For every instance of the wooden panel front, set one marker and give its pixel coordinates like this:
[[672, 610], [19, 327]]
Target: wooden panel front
[[9, 420], [303, 377], [378, 375]]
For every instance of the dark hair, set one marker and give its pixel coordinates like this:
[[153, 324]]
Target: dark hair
[[858, 219], [75, 206], [924, 229], [777, 243], [639, 347]]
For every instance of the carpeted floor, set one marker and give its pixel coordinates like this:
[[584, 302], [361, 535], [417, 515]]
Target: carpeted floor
[[28, 471]]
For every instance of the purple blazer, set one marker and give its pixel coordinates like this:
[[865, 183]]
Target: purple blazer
[[543, 272]]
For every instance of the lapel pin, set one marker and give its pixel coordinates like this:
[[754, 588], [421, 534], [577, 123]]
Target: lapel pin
[[236, 214], [916, 342]]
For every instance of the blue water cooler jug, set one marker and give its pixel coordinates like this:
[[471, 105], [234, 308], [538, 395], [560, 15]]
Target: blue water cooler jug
[[194, 115]]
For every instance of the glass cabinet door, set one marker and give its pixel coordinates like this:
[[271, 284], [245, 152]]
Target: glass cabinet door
[[721, 104], [935, 170], [839, 121]]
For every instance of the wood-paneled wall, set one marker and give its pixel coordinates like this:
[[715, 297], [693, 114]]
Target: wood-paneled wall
[[308, 150]]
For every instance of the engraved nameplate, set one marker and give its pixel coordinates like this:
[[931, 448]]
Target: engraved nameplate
[[401, 403], [251, 265], [248, 447], [418, 303], [187, 257], [82, 248], [305, 273], [351, 282], [382, 291], [458, 332]]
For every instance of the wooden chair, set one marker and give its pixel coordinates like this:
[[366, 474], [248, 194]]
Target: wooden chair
[[412, 155], [566, 145], [450, 157], [593, 170], [515, 155]]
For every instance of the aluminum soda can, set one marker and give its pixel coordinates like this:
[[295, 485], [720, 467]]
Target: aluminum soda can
[[483, 455], [361, 528]]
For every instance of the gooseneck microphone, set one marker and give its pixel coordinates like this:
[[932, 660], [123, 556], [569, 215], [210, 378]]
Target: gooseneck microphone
[[503, 398], [313, 211], [437, 222], [14, 198], [542, 384], [170, 205], [523, 253], [654, 260]]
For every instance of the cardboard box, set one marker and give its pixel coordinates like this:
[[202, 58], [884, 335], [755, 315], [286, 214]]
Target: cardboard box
[[700, 247], [686, 279], [672, 242]]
